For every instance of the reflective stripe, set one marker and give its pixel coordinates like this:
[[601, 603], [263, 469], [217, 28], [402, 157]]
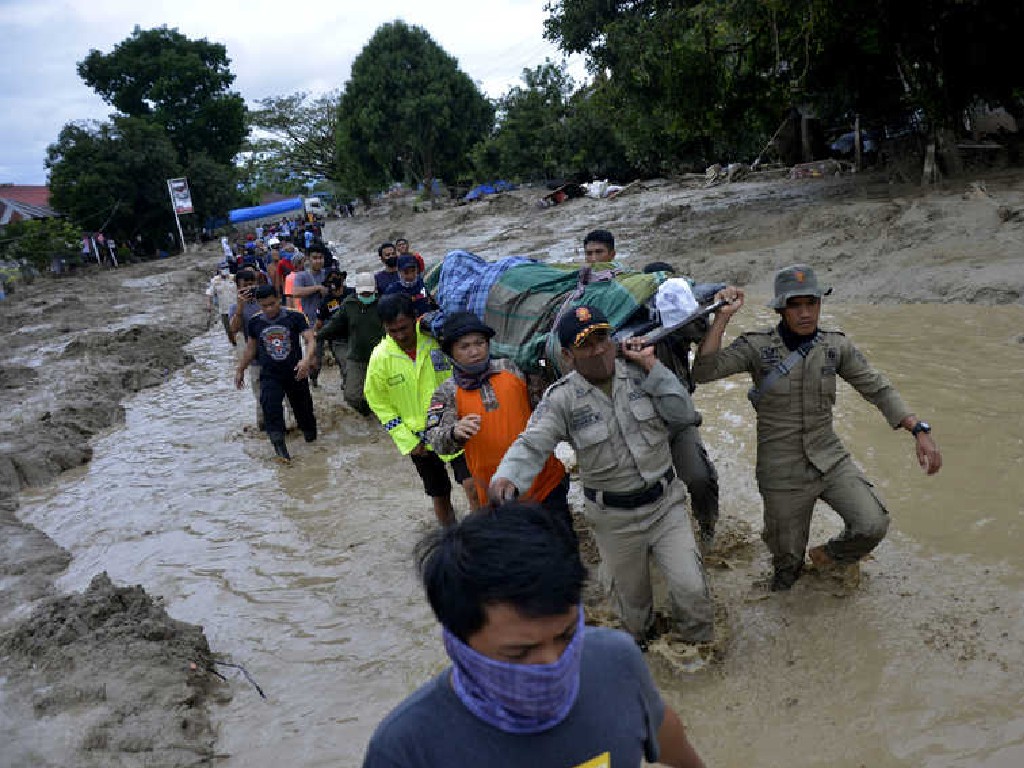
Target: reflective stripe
[[392, 424]]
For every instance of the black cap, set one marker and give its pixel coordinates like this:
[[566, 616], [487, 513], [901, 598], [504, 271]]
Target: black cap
[[580, 322], [460, 324]]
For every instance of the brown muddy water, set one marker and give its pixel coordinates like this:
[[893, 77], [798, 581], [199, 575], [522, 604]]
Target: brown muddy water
[[303, 573]]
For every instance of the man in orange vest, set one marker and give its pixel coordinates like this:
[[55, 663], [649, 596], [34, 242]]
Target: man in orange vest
[[483, 408]]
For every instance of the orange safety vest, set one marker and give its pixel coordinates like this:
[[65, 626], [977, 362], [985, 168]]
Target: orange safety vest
[[498, 430], [289, 283]]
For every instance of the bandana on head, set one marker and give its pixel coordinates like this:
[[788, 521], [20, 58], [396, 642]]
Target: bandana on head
[[517, 698]]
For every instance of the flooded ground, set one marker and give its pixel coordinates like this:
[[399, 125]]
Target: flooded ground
[[302, 573]]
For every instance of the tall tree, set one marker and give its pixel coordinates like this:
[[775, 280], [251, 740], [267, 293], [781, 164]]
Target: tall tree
[[112, 176], [407, 113], [295, 136], [546, 129], [180, 84]]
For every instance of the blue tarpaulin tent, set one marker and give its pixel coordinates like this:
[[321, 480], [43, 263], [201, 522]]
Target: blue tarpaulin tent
[[263, 211]]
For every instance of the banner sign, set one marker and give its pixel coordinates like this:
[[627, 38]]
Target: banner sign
[[181, 198]]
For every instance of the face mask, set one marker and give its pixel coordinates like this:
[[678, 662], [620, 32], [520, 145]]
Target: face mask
[[516, 698], [409, 283], [391, 261], [367, 299], [472, 376]]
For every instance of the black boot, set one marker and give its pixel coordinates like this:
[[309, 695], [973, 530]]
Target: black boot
[[280, 448], [784, 578]]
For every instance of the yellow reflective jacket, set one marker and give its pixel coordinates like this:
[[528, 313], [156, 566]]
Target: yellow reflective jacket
[[398, 389]]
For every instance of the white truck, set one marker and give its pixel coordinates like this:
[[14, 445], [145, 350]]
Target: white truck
[[314, 206]]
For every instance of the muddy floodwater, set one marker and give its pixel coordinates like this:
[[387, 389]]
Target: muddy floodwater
[[302, 573]]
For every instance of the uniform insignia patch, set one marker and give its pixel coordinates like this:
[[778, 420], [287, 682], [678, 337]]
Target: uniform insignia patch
[[584, 418], [831, 354], [769, 354], [433, 419], [583, 314]]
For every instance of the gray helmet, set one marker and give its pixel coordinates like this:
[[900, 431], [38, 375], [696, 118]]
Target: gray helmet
[[796, 280]]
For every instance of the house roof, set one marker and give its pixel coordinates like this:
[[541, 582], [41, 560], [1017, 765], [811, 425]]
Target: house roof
[[30, 194], [14, 210]]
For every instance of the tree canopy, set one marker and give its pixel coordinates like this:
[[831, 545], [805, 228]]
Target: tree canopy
[[180, 84], [709, 80], [293, 142], [175, 117], [408, 113]]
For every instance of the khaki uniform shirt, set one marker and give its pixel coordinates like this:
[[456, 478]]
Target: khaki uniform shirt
[[794, 418], [621, 442]]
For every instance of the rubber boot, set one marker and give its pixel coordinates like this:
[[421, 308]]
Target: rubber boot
[[280, 448]]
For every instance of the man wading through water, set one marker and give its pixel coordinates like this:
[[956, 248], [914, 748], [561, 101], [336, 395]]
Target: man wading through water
[[799, 457], [275, 335], [618, 416]]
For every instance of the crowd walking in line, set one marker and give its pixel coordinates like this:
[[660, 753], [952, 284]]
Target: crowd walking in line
[[505, 582]]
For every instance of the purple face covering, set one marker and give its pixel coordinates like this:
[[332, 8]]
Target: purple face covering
[[516, 698]]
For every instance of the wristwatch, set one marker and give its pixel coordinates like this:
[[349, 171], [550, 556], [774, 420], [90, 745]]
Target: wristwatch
[[921, 426]]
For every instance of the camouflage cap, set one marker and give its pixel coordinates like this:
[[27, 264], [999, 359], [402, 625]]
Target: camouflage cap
[[796, 280]]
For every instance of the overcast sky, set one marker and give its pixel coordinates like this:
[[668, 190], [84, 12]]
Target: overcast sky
[[275, 48]]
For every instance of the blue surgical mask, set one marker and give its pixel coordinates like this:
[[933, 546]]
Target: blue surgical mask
[[517, 698]]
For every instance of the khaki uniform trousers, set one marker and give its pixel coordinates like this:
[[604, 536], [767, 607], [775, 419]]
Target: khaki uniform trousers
[[628, 538], [787, 516]]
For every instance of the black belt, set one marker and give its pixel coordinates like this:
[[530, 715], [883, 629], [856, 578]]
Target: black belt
[[634, 499]]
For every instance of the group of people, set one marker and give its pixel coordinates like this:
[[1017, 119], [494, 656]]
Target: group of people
[[528, 679]]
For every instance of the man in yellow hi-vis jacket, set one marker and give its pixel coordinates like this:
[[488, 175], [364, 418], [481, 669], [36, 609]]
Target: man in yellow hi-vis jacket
[[404, 370]]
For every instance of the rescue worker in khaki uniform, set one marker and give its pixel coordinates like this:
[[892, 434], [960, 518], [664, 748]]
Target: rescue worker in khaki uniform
[[799, 457], [618, 416]]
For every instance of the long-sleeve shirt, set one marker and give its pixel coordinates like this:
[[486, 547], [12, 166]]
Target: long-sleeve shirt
[[398, 389], [794, 417], [358, 324], [621, 442]]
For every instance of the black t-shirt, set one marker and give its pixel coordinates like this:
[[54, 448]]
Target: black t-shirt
[[278, 345], [331, 304]]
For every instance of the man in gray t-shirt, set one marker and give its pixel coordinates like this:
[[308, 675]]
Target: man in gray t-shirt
[[529, 683], [309, 286]]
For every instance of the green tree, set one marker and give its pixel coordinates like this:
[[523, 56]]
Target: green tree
[[112, 177], [547, 129], [180, 84], [39, 241], [295, 136], [407, 113]]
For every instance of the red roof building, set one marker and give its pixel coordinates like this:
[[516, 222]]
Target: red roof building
[[29, 194]]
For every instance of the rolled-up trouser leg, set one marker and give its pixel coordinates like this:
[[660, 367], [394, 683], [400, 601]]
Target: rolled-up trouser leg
[[678, 559], [623, 540], [854, 499], [787, 524], [355, 378], [695, 469]]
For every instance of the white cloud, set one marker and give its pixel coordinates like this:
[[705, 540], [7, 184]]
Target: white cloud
[[273, 51]]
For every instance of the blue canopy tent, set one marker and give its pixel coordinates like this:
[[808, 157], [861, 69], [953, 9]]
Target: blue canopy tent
[[264, 211]]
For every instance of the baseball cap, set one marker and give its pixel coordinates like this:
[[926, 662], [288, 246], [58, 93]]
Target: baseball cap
[[405, 261], [461, 324], [273, 242], [578, 323], [796, 280], [364, 283]]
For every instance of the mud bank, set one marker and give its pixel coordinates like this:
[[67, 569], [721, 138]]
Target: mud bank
[[107, 664]]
